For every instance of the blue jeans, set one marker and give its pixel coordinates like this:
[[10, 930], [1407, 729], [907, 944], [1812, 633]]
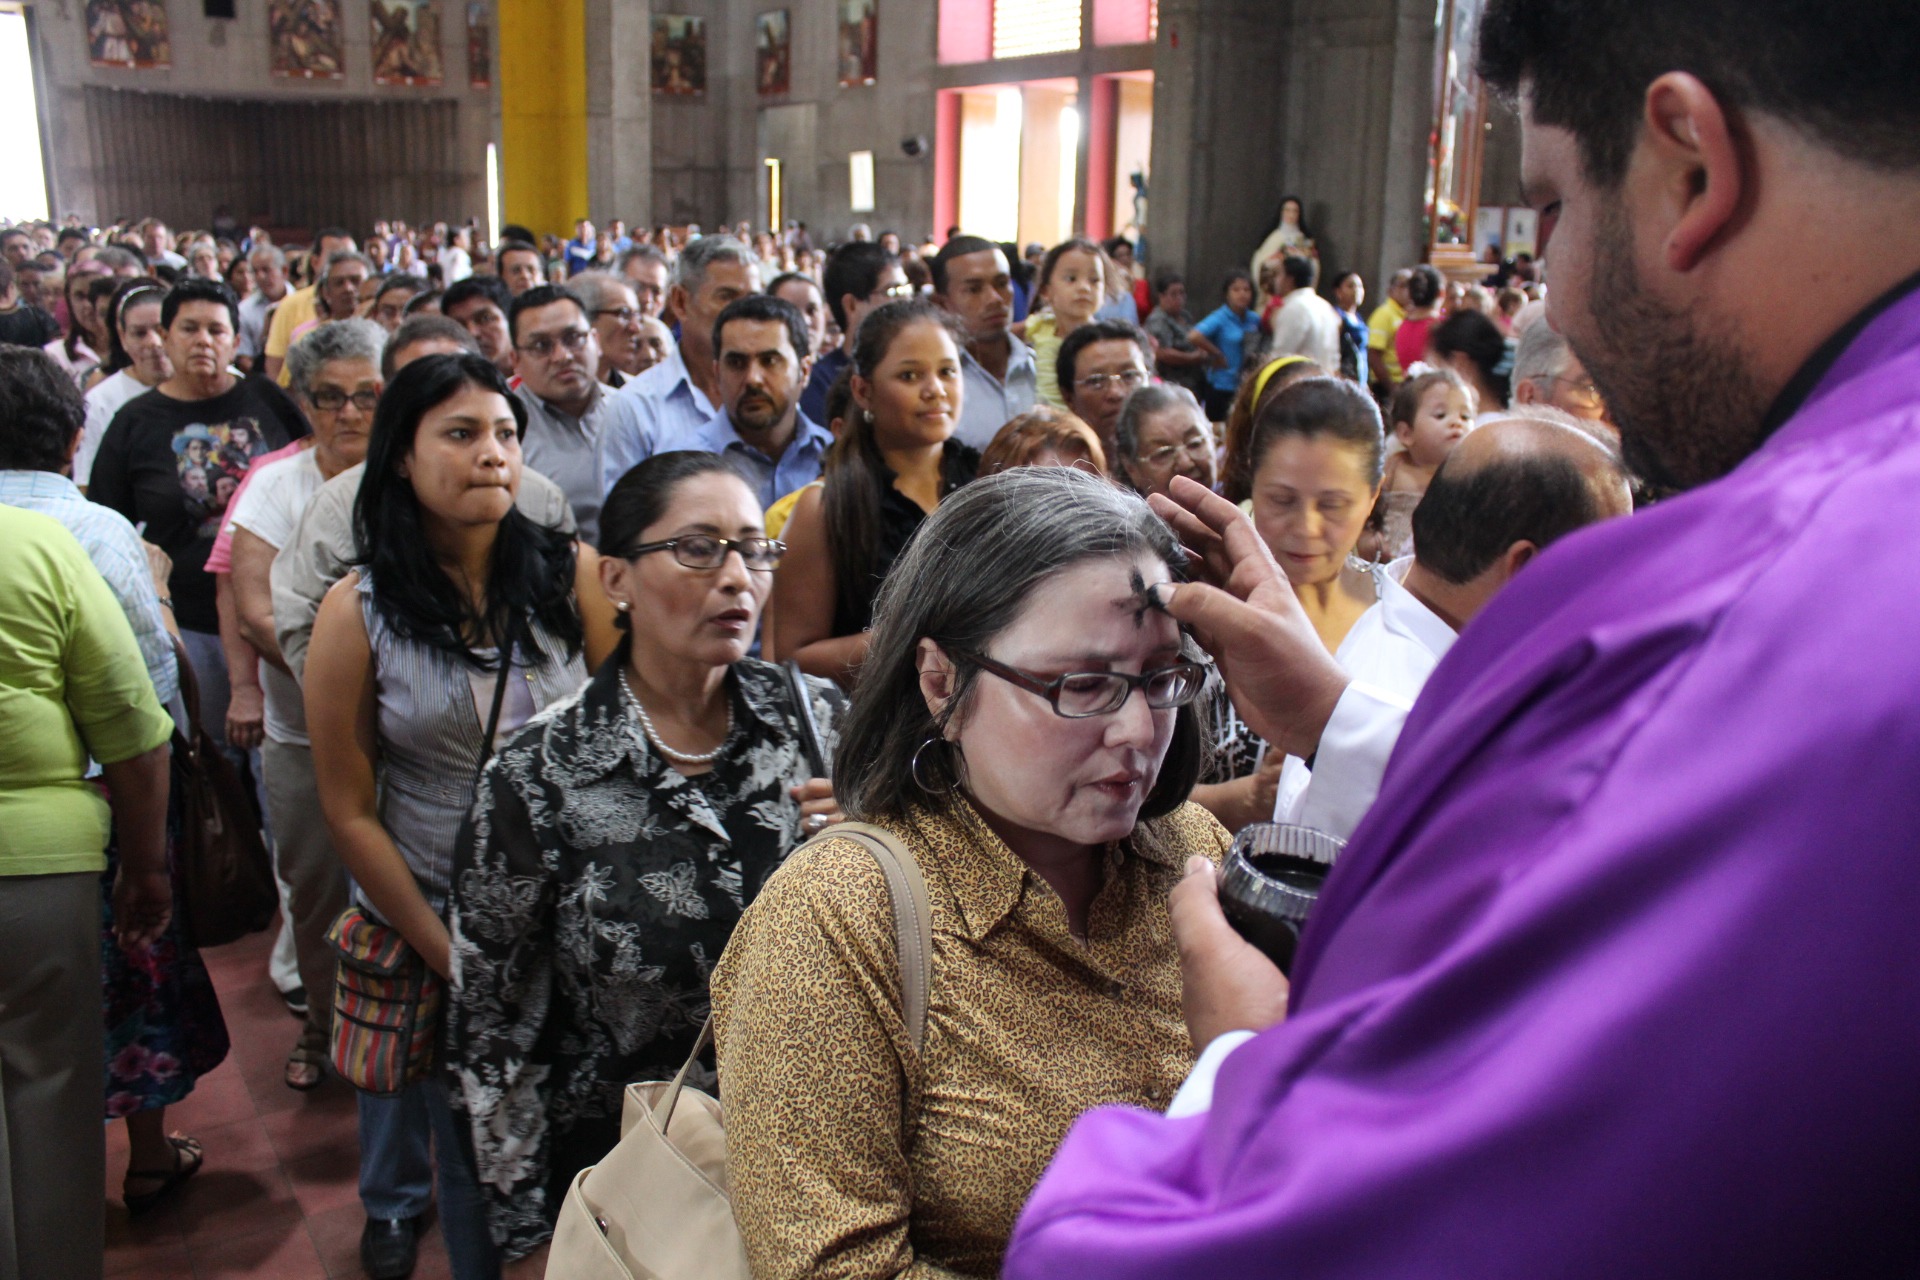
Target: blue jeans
[[396, 1173]]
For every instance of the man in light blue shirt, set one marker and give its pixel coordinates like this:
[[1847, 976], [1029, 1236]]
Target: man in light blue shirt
[[38, 434], [999, 380], [763, 361], [680, 393]]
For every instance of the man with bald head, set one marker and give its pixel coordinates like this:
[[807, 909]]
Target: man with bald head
[[1513, 487]]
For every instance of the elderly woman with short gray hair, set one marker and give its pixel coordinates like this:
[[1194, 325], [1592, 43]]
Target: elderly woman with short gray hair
[[335, 375], [1162, 433], [1024, 726]]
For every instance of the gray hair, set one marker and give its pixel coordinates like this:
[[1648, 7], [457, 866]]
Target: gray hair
[[598, 291], [963, 579], [1542, 354], [642, 253], [268, 253], [335, 340], [1146, 402], [117, 258], [691, 271], [339, 256]]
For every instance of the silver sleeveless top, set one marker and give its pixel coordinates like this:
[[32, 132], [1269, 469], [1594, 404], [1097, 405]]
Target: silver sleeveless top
[[430, 720]]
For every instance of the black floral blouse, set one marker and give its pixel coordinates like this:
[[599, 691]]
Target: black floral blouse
[[595, 890]]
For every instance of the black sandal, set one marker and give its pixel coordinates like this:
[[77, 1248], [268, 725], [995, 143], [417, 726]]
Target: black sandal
[[187, 1159]]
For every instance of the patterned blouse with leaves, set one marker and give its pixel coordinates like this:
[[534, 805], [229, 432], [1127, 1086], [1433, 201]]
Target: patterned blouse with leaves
[[595, 891]]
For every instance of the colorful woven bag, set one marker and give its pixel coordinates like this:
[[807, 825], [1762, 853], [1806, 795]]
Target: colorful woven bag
[[386, 1006]]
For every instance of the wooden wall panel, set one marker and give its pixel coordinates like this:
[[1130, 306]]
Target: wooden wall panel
[[295, 164]]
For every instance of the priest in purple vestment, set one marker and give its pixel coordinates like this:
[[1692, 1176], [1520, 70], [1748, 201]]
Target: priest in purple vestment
[[1621, 975]]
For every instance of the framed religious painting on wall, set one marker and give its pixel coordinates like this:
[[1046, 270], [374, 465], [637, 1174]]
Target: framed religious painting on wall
[[128, 33], [679, 55], [773, 53], [305, 39], [479, 45], [406, 42], [859, 44]]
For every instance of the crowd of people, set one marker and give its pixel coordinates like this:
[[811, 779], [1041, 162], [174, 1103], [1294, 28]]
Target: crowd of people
[[555, 600], [400, 524]]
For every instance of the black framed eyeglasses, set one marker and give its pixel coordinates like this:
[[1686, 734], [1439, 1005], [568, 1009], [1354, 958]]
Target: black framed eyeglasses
[[704, 551], [543, 347], [333, 400], [626, 315], [1078, 695]]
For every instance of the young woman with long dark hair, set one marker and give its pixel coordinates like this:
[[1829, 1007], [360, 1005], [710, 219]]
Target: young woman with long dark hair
[[456, 591], [890, 468]]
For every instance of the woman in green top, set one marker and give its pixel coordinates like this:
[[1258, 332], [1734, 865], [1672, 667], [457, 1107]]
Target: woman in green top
[[72, 686]]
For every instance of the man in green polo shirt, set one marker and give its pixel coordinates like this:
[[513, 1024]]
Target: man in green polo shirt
[[72, 686]]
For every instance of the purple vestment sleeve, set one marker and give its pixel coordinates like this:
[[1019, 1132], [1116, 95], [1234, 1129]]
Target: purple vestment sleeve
[[1621, 976]]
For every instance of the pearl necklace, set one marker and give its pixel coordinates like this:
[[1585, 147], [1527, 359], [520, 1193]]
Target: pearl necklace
[[653, 735]]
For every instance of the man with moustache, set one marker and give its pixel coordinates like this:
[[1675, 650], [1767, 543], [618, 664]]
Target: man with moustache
[[569, 411], [682, 392], [1099, 366], [761, 346], [998, 376], [1617, 978]]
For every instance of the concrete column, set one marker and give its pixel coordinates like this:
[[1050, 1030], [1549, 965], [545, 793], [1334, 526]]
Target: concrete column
[[1219, 96], [619, 112], [1330, 100]]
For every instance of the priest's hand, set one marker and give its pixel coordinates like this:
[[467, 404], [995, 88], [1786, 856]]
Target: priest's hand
[[1244, 613], [1226, 983]]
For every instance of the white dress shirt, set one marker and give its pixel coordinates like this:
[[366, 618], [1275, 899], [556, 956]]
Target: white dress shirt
[[1307, 325], [1390, 652]]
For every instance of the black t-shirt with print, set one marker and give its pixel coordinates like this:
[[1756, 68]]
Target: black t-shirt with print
[[175, 465]]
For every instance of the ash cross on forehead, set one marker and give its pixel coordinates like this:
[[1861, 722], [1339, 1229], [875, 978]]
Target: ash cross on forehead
[[1142, 598]]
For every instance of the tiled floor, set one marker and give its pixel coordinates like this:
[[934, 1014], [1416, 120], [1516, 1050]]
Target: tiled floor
[[278, 1194]]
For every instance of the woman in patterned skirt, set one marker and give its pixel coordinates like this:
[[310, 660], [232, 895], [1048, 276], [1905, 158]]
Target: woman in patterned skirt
[[614, 842]]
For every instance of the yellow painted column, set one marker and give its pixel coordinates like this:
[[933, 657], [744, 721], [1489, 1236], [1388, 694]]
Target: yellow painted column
[[543, 113]]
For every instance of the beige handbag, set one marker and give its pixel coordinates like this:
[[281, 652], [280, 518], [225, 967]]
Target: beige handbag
[[656, 1208]]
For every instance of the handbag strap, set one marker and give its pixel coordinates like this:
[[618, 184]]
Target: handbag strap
[[499, 699], [912, 917], [803, 712], [913, 936]]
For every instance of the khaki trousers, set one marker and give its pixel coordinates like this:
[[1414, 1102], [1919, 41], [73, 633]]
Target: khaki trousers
[[315, 879], [53, 1155]]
